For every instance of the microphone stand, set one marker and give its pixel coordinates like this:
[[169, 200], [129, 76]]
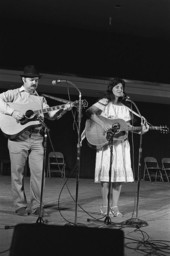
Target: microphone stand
[[40, 217], [110, 138], [78, 146], [135, 221], [55, 98]]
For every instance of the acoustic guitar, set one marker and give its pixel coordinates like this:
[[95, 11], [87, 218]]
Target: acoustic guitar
[[97, 136], [12, 128]]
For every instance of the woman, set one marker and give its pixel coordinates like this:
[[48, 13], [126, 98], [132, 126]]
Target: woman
[[111, 107]]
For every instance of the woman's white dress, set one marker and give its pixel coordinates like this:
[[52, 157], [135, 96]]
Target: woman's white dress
[[121, 170]]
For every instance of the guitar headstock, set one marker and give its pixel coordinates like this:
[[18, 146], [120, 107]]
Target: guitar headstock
[[84, 103], [164, 129]]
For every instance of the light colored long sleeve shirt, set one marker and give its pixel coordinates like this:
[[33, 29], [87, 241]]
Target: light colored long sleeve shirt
[[21, 97]]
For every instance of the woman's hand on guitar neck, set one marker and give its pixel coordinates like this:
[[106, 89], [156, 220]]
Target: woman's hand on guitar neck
[[145, 127]]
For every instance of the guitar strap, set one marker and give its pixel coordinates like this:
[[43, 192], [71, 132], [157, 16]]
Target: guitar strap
[[142, 117]]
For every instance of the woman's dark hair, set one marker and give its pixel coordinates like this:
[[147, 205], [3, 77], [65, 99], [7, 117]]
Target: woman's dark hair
[[113, 82]]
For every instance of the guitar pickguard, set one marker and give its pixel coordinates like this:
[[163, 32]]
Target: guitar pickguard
[[26, 120]]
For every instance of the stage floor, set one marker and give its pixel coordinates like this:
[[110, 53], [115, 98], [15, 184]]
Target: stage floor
[[60, 202]]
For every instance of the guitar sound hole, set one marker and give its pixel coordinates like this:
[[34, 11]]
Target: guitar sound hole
[[29, 114], [115, 128]]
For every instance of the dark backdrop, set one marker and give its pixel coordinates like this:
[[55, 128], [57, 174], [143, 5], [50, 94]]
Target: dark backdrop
[[59, 49]]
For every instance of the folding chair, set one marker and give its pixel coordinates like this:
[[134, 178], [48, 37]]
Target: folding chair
[[166, 167], [56, 164], [152, 169]]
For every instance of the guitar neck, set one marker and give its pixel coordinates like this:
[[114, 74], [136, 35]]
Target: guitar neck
[[156, 128], [47, 110], [135, 128], [123, 126]]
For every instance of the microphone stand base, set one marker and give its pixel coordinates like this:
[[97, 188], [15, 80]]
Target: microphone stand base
[[107, 221], [40, 220], [75, 225], [135, 222]]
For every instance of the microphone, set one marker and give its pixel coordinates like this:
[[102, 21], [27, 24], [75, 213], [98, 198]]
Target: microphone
[[54, 82], [125, 97], [61, 81]]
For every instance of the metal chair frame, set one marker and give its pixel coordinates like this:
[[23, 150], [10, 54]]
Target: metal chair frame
[[151, 167], [165, 161], [56, 164]]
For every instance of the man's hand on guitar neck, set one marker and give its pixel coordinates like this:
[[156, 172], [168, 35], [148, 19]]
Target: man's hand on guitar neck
[[56, 114], [17, 115], [68, 106]]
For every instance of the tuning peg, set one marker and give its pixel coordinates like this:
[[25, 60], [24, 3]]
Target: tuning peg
[[84, 103]]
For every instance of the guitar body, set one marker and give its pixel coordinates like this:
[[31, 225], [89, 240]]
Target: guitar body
[[31, 111], [11, 127], [97, 136]]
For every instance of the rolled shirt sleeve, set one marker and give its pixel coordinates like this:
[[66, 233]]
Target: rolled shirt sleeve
[[5, 98]]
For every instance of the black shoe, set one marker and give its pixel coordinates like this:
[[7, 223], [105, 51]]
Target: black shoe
[[23, 211]]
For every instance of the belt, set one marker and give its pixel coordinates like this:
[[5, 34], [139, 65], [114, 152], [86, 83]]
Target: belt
[[35, 130]]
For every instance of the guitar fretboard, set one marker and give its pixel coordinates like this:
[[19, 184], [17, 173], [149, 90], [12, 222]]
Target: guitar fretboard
[[46, 110], [156, 128]]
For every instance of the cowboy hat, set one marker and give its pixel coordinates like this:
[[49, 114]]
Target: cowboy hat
[[30, 71]]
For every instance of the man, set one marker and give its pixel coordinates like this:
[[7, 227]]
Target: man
[[29, 142]]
